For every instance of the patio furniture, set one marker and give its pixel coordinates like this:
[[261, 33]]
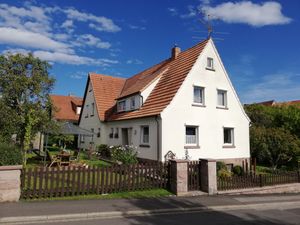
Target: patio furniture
[[53, 159], [75, 157], [64, 158]]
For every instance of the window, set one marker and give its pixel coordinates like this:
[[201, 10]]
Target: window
[[99, 132], [121, 106], [222, 98], [111, 135], [132, 103], [81, 138], [210, 63], [92, 109], [87, 111], [228, 136], [199, 95], [92, 138], [191, 135], [145, 134], [117, 133], [78, 110]]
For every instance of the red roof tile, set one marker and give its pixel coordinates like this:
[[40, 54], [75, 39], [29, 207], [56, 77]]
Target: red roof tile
[[106, 89], [65, 107]]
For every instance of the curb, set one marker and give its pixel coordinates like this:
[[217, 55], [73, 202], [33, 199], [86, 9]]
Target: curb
[[117, 214]]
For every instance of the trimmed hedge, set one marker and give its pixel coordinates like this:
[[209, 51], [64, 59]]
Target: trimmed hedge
[[10, 155]]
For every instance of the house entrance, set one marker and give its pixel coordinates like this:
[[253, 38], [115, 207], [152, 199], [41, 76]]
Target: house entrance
[[126, 136]]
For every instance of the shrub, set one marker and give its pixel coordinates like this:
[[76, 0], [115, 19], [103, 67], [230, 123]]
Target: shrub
[[104, 151], [238, 170], [223, 173], [124, 154], [10, 155], [221, 165]]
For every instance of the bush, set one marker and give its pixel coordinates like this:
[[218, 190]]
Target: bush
[[124, 154], [238, 170], [10, 155], [104, 151], [221, 165], [223, 173]]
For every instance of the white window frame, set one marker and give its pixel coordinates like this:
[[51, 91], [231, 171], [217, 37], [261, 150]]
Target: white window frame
[[123, 108], [143, 142], [188, 143], [92, 138], [231, 135], [202, 90], [111, 134], [225, 98], [87, 111], [132, 100], [93, 109], [210, 63]]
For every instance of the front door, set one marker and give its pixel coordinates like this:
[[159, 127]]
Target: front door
[[126, 136]]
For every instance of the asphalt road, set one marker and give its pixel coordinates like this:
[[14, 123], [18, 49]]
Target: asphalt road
[[289, 214]]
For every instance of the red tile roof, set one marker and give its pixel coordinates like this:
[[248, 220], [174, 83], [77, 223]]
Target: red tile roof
[[65, 107], [172, 72], [106, 89]]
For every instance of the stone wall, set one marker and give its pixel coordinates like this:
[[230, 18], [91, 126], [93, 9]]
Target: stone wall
[[10, 183]]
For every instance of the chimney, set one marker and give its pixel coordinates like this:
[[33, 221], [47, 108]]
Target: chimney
[[175, 51]]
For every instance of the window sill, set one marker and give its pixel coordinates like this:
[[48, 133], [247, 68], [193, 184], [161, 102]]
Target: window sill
[[192, 147], [211, 69], [228, 146], [198, 105], [221, 107], [145, 146]]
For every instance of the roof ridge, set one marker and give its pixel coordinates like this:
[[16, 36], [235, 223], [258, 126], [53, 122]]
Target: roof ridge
[[105, 75]]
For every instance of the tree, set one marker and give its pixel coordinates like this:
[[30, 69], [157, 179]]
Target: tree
[[274, 146], [64, 139], [25, 85]]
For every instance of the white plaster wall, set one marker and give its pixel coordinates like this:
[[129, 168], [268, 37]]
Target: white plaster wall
[[143, 152], [147, 91], [210, 119], [91, 122]]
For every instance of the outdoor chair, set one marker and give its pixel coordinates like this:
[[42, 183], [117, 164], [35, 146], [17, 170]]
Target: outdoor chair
[[53, 159]]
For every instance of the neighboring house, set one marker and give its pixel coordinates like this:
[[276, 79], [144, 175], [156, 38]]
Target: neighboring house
[[66, 108], [185, 104]]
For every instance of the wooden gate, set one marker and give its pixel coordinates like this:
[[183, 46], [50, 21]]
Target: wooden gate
[[194, 176]]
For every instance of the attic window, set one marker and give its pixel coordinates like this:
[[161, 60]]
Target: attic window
[[210, 64], [121, 106]]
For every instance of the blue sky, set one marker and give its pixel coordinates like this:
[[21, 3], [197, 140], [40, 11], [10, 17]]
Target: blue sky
[[260, 46]]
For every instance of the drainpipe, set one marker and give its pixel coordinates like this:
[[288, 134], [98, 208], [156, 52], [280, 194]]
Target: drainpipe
[[158, 137]]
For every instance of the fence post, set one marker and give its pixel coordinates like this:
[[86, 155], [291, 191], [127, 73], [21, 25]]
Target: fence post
[[179, 176], [298, 173], [208, 178], [260, 180]]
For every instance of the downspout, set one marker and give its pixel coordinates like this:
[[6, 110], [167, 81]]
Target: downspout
[[158, 135]]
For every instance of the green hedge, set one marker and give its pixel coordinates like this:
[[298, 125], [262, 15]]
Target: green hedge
[[10, 155]]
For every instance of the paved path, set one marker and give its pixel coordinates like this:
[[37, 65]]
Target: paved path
[[156, 209]]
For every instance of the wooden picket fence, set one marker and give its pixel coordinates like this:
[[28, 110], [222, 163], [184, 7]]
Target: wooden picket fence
[[251, 181], [69, 181], [194, 175]]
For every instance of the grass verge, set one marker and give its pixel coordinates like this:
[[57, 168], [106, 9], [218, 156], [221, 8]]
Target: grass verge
[[126, 195]]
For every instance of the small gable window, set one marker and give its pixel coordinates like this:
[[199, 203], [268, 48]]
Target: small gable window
[[222, 99], [228, 136], [92, 109], [87, 111], [210, 63]]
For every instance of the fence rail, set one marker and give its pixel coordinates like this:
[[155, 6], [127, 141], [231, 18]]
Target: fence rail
[[70, 181], [251, 181], [193, 175]]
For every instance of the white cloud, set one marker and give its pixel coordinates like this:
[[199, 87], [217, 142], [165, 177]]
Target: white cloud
[[29, 39], [173, 11], [192, 12], [92, 41], [67, 24], [99, 23], [134, 27], [134, 61], [268, 13], [279, 86]]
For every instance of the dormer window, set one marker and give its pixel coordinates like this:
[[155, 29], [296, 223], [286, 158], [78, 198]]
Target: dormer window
[[132, 103], [121, 106], [78, 110], [210, 63]]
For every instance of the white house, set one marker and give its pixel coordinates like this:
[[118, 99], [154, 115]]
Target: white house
[[185, 104]]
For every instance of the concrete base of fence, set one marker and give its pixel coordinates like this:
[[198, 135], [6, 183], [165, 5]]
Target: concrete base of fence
[[208, 176], [179, 178], [10, 183], [277, 189]]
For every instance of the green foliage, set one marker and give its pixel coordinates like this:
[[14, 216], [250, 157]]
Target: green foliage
[[274, 146], [124, 154], [10, 155], [64, 139], [221, 165], [238, 170], [104, 151], [223, 173], [25, 85]]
